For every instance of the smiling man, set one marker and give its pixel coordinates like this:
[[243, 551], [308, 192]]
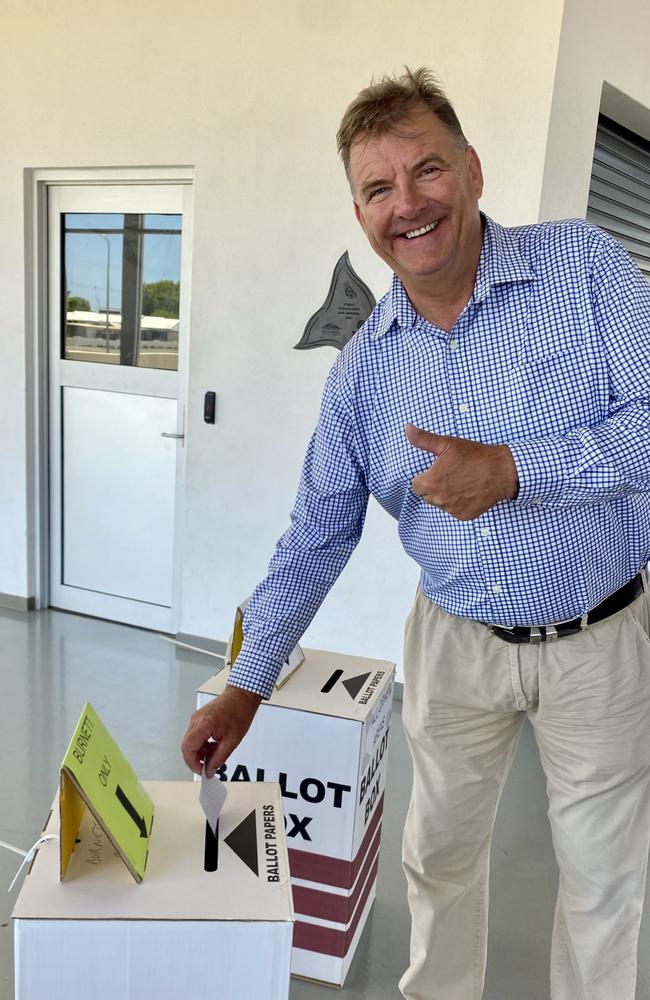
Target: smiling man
[[422, 176], [497, 405]]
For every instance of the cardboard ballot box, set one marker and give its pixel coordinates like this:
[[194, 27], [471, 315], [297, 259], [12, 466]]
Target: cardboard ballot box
[[213, 917], [324, 736]]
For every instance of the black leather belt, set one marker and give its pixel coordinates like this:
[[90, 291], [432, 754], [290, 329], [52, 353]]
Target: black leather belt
[[547, 633]]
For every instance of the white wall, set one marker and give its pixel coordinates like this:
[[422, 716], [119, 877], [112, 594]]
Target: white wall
[[251, 96], [603, 65]]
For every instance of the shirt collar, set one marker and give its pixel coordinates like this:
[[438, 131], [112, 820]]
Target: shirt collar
[[501, 262]]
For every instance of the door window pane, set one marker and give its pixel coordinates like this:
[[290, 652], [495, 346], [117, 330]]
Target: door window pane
[[121, 288], [161, 288]]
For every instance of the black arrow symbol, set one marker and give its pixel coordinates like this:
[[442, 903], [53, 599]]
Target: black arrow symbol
[[354, 684], [243, 841], [132, 811]]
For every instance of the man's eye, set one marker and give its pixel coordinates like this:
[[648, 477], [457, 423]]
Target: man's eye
[[377, 193], [431, 171]]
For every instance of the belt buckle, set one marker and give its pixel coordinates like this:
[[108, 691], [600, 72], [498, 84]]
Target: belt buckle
[[502, 632]]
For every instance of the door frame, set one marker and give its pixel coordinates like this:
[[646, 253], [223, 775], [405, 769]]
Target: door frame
[[36, 184]]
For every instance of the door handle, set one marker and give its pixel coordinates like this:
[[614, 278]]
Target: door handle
[[176, 437]]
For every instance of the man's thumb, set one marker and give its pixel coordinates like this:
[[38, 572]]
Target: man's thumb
[[435, 444]]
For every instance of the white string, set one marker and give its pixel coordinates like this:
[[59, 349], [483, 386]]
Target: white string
[[10, 847], [196, 649], [27, 855]]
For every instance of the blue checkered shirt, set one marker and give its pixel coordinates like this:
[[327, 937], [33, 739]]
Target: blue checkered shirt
[[551, 356]]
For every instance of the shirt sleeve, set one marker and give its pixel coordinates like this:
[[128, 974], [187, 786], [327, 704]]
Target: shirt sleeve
[[597, 464], [326, 524]]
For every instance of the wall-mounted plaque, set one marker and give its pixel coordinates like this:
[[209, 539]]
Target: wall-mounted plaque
[[349, 303]]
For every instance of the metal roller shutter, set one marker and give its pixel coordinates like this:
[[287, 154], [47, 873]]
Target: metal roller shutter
[[619, 193]]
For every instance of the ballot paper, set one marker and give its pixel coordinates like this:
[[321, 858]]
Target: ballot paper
[[212, 797]]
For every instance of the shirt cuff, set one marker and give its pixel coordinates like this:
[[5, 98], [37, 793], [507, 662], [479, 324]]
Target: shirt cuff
[[541, 468], [254, 672]]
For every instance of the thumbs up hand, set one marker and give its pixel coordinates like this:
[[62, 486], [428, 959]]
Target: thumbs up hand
[[467, 477]]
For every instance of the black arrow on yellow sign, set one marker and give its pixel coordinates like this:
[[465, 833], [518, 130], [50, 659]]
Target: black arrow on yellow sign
[[132, 811]]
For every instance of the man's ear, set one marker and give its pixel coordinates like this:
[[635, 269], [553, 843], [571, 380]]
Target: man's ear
[[359, 215], [475, 171]]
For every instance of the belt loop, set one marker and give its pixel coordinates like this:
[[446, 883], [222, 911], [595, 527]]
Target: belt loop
[[551, 633], [535, 635], [583, 620]]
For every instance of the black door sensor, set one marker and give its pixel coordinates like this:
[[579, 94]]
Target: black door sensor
[[209, 407]]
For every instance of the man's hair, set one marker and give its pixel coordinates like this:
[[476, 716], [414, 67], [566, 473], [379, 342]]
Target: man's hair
[[380, 107]]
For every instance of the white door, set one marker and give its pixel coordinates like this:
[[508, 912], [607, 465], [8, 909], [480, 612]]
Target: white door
[[118, 297]]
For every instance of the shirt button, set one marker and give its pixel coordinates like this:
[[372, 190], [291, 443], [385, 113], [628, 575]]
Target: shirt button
[[485, 532], [464, 407], [453, 345], [496, 588]]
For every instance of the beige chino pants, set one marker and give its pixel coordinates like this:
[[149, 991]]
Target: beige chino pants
[[588, 698]]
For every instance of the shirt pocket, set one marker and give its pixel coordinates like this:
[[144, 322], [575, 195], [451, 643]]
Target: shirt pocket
[[557, 393]]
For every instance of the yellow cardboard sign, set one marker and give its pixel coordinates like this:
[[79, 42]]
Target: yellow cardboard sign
[[233, 648], [237, 637], [96, 773]]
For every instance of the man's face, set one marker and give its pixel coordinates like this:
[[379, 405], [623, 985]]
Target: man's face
[[416, 196]]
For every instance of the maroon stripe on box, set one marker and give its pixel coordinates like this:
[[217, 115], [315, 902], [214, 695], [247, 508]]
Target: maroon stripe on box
[[334, 871], [327, 940], [327, 905]]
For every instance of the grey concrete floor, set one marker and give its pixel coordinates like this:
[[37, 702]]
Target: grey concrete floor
[[143, 688]]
